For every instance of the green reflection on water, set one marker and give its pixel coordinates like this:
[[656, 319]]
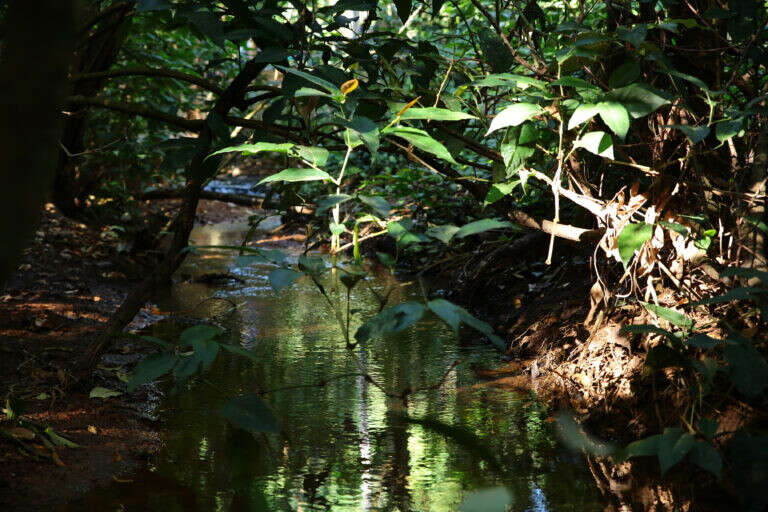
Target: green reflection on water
[[343, 446]]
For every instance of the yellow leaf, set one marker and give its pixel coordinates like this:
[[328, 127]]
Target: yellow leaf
[[349, 86], [409, 105]]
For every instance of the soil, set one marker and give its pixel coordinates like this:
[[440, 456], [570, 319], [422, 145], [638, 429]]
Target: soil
[[71, 278]]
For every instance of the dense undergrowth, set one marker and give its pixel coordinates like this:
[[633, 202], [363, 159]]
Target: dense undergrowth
[[633, 131]]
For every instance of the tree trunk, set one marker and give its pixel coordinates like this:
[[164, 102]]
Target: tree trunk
[[36, 52]]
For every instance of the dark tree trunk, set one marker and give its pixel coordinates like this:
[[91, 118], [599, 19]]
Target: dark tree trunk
[[36, 52], [97, 49]]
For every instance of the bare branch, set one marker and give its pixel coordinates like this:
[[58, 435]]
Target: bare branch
[[153, 72]]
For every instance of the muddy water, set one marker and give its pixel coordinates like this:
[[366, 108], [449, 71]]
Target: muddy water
[[342, 445]]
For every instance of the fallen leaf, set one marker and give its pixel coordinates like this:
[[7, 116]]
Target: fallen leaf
[[20, 433], [92, 429]]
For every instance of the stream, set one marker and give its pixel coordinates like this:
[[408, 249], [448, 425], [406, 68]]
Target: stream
[[343, 445]]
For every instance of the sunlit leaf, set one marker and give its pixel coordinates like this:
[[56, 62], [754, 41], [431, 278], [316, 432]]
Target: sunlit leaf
[[482, 225], [583, 112], [670, 315], [295, 175], [632, 238], [598, 143], [435, 114], [615, 115], [349, 86], [514, 115], [422, 140], [101, 392]]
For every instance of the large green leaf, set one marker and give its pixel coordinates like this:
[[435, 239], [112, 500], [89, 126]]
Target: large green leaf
[[421, 140], [365, 129], [378, 204], [632, 238], [615, 115], [443, 233], [639, 99], [479, 226], [583, 112], [499, 190], [252, 149], [748, 368], [315, 155], [205, 352], [707, 457], [240, 351], [624, 74], [598, 143], [509, 80], [294, 175], [325, 84], [198, 333], [391, 320], [435, 114], [670, 315], [250, 413], [150, 368], [729, 128], [329, 201], [695, 134], [673, 446], [403, 9], [514, 115], [454, 315]]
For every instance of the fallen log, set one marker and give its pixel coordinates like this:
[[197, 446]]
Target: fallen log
[[173, 193]]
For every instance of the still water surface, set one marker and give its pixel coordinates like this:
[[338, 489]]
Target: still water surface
[[342, 445]]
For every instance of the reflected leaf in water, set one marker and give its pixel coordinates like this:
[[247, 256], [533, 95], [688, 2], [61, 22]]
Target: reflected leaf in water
[[391, 320], [249, 413], [496, 499], [461, 436]]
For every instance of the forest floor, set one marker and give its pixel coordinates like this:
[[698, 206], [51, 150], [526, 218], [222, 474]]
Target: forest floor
[[71, 278]]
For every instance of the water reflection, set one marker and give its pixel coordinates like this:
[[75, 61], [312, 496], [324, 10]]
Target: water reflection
[[343, 444]]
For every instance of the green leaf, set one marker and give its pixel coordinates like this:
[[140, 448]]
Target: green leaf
[[317, 156], [100, 392], [252, 149], [704, 341], [312, 266], [479, 226], [293, 175], [325, 84], [639, 99], [249, 413], [624, 74], [391, 320], [443, 233], [240, 351], [499, 190], [514, 115], [748, 368], [329, 201], [365, 129], [644, 447], [695, 134], [598, 143], [378, 204], [743, 293], [670, 315], [421, 140], [454, 315], [727, 129], [153, 5], [150, 368], [707, 458], [59, 440], [304, 92], [750, 273], [649, 329], [632, 238], [282, 278], [583, 112], [509, 80], [615, 115], [205, 353], [496, 499], [435, 114], [708, 427], [673, 446], [198, 333]]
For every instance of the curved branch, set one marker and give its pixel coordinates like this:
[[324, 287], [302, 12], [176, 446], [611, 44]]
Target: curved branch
[[153, 72], [129, 108]]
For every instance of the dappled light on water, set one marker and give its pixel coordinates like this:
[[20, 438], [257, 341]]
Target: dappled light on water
[[343, 444]]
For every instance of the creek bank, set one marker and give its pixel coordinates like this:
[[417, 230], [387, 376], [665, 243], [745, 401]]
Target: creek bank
[[72, 277]]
